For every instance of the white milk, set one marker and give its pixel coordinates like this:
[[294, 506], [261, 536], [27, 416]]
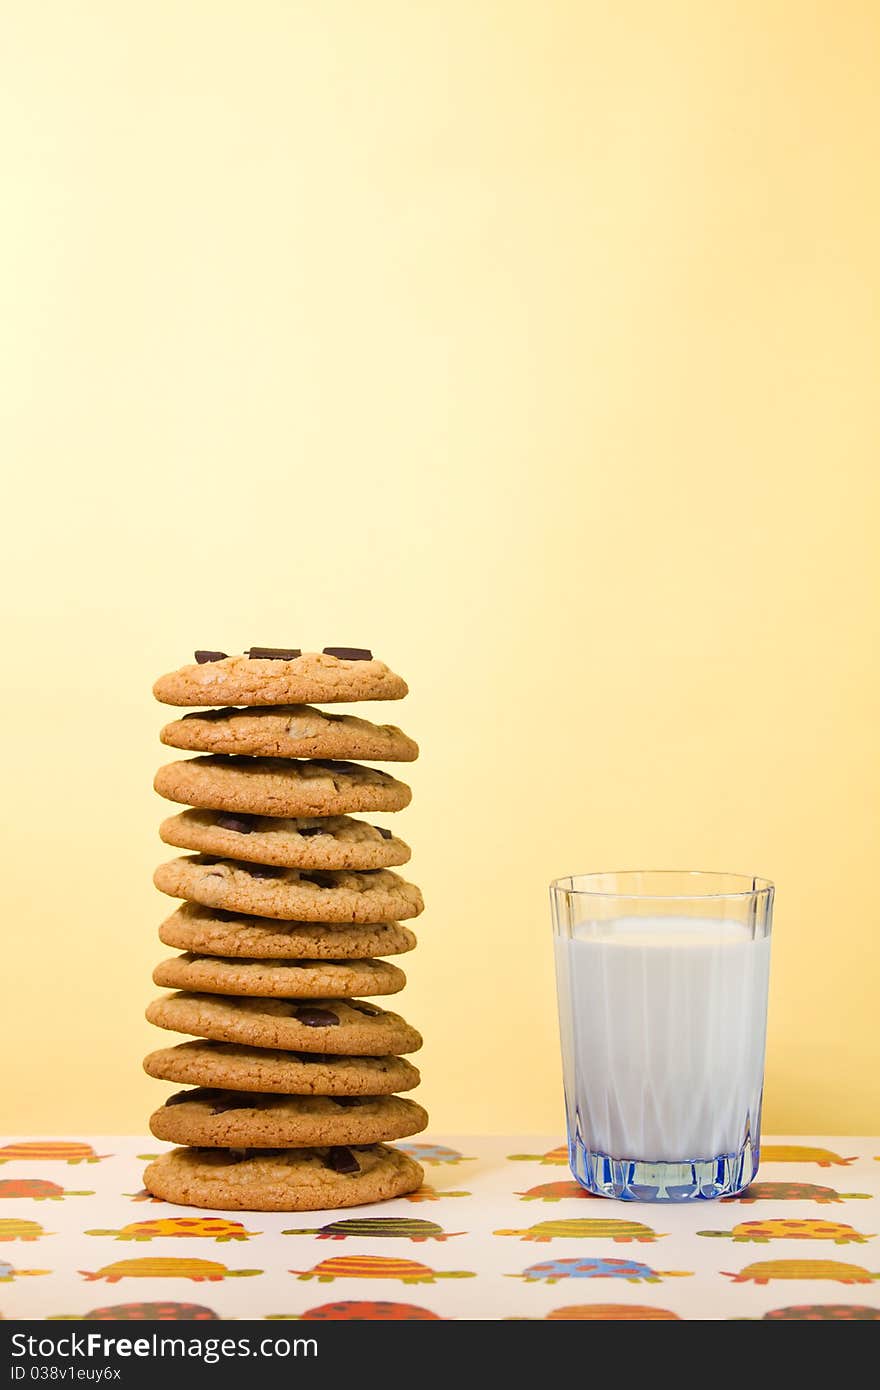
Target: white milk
[[665, 1037]]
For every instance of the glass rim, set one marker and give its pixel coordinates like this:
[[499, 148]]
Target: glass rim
[[753, 885]]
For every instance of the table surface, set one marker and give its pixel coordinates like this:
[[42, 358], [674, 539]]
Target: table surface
[[504, 1211]]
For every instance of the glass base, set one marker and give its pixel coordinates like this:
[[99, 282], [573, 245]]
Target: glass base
[[631, 1180]]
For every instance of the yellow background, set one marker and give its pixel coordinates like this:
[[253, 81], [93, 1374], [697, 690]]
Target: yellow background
[[531, 344]]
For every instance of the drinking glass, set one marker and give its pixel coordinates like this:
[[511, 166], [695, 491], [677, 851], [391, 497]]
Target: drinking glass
[[662, 980]]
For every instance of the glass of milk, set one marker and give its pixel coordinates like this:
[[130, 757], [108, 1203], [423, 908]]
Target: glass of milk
[[662, 980]]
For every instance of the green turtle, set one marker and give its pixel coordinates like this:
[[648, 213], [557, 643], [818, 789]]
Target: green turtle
[[370, 1226], [765, 1270], [13, 1229], [585, 1229]]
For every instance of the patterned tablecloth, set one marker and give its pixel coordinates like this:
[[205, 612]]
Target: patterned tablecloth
[[500, 1231]]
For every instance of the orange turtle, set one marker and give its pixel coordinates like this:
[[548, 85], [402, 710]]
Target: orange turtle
[[50, 1149], [765, 1270], [377, 1267], [360, 1312], [170, 1268], [207, 1227], [555, 1192], [762, 1231], [799, 1153], [556, 1156]]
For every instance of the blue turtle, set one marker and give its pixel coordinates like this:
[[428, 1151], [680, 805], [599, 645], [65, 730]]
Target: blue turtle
[[433, 1153], [8, 1272], [551, 1271]]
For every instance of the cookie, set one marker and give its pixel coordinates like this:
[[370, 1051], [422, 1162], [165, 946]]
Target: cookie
[[282, 1179], [239, 1119], [292, 895], [294, 979], [230, 1067], [289, 731], [302, 842], [312, 677], [280, 787], [211, 932], [346, 1027]]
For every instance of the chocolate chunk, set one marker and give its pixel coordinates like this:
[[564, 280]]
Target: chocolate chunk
[[341, 1160], [314, 1057], [386, 834], [263, 870], [203, 657], [237, 1155], [349, 653], [231, 1103], [348, 1102], [211, 714], [243, 825], [369, 1009], [309, 830], [180, 1097], [316, 1018], [322, 878], [274, 653]]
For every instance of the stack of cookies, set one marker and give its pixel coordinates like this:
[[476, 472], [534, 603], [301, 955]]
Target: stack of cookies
[[291, 908]]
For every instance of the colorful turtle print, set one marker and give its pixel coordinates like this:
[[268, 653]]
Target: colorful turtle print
[[143, 1312], [798, 1153], [763, 1231], [611, 1312], [433, 1153], [555, 1192], [44, 1149], [815, 1312], [7, 1273], [586, 1229], [370, 1226], [196, 1270], [427, 1193], [557, 1156], [765, 1270], [551, 1271], [377, 1267], [793, 1192], [37, 1189], [207, 1227], [360, 1312], [11, 1229]]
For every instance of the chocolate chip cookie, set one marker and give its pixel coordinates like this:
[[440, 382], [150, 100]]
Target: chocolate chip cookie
[[301, 842], [282, 1179], [212, 932]]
